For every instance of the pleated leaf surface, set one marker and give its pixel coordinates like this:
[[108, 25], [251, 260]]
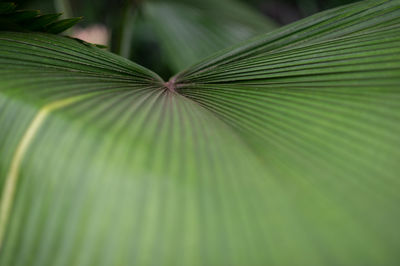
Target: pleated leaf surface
[[283, 150]]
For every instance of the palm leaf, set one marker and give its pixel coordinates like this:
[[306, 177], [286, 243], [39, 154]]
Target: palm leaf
[[282, 150]]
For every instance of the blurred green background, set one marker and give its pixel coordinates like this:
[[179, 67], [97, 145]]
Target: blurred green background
[[168, 36]]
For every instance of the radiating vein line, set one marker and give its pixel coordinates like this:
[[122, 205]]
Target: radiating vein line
[[7, 197]]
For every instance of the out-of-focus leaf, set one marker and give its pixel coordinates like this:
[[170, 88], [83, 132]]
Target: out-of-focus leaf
[[190, 30], [280, 151]]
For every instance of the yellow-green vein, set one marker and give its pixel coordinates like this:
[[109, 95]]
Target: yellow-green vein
[[7, 196]]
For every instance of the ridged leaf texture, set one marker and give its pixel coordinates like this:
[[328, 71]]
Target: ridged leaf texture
[[283, 150]]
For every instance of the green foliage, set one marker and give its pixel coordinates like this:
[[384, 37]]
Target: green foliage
[[282, 150], [171, 35], [190, 30], [12, 19]]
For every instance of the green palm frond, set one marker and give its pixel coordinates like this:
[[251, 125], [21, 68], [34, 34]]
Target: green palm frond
[[282, 150]]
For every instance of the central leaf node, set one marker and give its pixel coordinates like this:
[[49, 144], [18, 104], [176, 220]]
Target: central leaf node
[[170, 85]]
